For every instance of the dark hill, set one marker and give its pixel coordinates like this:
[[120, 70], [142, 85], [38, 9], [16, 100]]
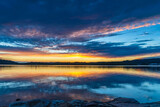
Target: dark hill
[[153, 61], [7, 62]]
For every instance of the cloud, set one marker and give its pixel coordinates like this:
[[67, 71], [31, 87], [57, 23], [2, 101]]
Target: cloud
[[143, 41], [113, 49]]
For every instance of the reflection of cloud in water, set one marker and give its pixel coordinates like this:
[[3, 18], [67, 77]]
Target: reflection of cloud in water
[[51, 79], [86, 83], [128, 90], [111, 81], [88, 95], [39, 93], [15, 84]]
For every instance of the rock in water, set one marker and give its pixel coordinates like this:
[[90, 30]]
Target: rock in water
[[117, 102], [154, 104], [58, 103], [31, 103], [38, 103], [18, 104], [124, 100], [97, 104], [18, 99], [77, 103]]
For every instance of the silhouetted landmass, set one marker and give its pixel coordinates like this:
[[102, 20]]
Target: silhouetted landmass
[[117, 102], [7, 62], [154, 61]]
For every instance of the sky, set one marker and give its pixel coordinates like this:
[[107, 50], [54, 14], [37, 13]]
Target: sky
[[79, 30]]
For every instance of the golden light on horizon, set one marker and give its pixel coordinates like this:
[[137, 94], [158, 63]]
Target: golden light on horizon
[[73, 57]]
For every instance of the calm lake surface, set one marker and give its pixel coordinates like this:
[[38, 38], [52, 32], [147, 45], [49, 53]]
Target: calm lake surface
[[79, 82]]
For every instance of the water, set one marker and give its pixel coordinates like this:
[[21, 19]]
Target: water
[[79, 82]]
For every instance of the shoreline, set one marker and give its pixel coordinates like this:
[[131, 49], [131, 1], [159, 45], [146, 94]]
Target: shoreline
[[118, 66], [117, 102]]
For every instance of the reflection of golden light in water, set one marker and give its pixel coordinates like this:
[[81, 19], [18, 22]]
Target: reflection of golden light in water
[[69, 71], [90, 96]]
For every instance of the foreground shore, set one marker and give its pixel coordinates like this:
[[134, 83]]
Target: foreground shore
[[117, 102]]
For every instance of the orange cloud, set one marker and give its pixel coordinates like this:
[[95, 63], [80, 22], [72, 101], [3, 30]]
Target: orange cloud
[[121, 27]]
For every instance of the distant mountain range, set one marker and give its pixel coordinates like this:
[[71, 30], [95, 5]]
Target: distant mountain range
[[153, 61]]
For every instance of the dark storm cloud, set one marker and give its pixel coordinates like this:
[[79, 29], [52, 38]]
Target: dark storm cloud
[[18, 49], [66, 16], [113, 49]]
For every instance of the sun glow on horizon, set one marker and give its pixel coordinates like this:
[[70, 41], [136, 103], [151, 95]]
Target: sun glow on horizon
[[77, 57]]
